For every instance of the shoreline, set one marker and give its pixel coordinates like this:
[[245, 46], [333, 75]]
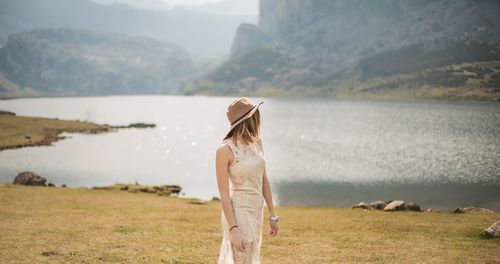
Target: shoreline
[[66, 225], [441, 195], [174, 190], [25, 131], [347, 98]]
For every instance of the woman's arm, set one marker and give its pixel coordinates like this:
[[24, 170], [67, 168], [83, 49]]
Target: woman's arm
[[221, 168], [222, 160], [266, 188], [267, 193], [268, 197]]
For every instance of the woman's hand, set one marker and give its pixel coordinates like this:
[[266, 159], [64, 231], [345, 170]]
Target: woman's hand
[[274, 227], [236, 239]]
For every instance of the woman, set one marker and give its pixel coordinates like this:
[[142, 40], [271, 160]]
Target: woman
[[243, 186]]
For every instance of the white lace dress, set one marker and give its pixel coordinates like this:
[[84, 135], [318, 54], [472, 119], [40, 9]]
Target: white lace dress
[[245, 190]]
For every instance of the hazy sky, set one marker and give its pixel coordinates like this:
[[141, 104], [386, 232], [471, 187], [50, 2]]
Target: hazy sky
[[223, 7], [189, 2]]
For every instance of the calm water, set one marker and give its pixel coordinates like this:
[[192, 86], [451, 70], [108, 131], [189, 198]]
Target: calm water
[[318, 152]]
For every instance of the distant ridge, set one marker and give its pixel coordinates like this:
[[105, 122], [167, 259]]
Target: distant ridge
[[201, 34], [62, 62]]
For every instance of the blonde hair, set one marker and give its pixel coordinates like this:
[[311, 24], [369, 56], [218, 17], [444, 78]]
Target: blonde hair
[[247, 131]]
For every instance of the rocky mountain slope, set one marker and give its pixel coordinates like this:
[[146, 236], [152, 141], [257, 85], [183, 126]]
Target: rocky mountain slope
[[75, 62], [354, 48]]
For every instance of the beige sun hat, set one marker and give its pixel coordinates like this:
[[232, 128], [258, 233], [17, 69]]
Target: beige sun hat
[[239, 110]]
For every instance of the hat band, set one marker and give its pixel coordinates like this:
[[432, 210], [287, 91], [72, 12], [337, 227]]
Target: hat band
[[235, 121]]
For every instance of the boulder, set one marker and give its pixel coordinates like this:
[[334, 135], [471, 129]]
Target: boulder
[[474, 209], [484, 210], [395, 205], [379, 205], [360, 205], [412, 206], [492, 231], [29, 178], [469, 208]]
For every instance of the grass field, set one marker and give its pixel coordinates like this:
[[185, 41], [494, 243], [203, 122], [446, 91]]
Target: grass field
[[79, 225], [22, 131]]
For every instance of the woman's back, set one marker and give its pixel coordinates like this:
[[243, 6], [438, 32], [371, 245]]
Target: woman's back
[[247, 168]]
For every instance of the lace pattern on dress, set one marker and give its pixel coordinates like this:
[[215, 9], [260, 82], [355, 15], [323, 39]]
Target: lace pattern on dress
[[242, 151]]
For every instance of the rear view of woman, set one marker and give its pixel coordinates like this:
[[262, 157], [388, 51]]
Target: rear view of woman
[[243, 186]]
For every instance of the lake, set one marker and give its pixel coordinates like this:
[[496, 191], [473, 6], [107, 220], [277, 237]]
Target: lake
[[319, 152]]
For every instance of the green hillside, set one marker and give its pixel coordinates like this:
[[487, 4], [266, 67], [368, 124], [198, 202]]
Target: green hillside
[[76, 62]]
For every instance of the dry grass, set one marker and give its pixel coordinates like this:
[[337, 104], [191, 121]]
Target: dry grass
[[21, 131], [63, 225]]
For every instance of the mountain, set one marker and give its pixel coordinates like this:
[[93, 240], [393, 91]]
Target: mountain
[[201, 34], [371, 49], [76, 62]]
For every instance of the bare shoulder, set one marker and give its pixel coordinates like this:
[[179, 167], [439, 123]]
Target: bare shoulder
[[223, 150]]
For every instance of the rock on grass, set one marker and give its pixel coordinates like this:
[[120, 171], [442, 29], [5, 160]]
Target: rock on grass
[[362, 205], [396, 205], [379, 205], [29, 178], [492, 231]]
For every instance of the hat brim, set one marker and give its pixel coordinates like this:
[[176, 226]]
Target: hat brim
[[248, 115]]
